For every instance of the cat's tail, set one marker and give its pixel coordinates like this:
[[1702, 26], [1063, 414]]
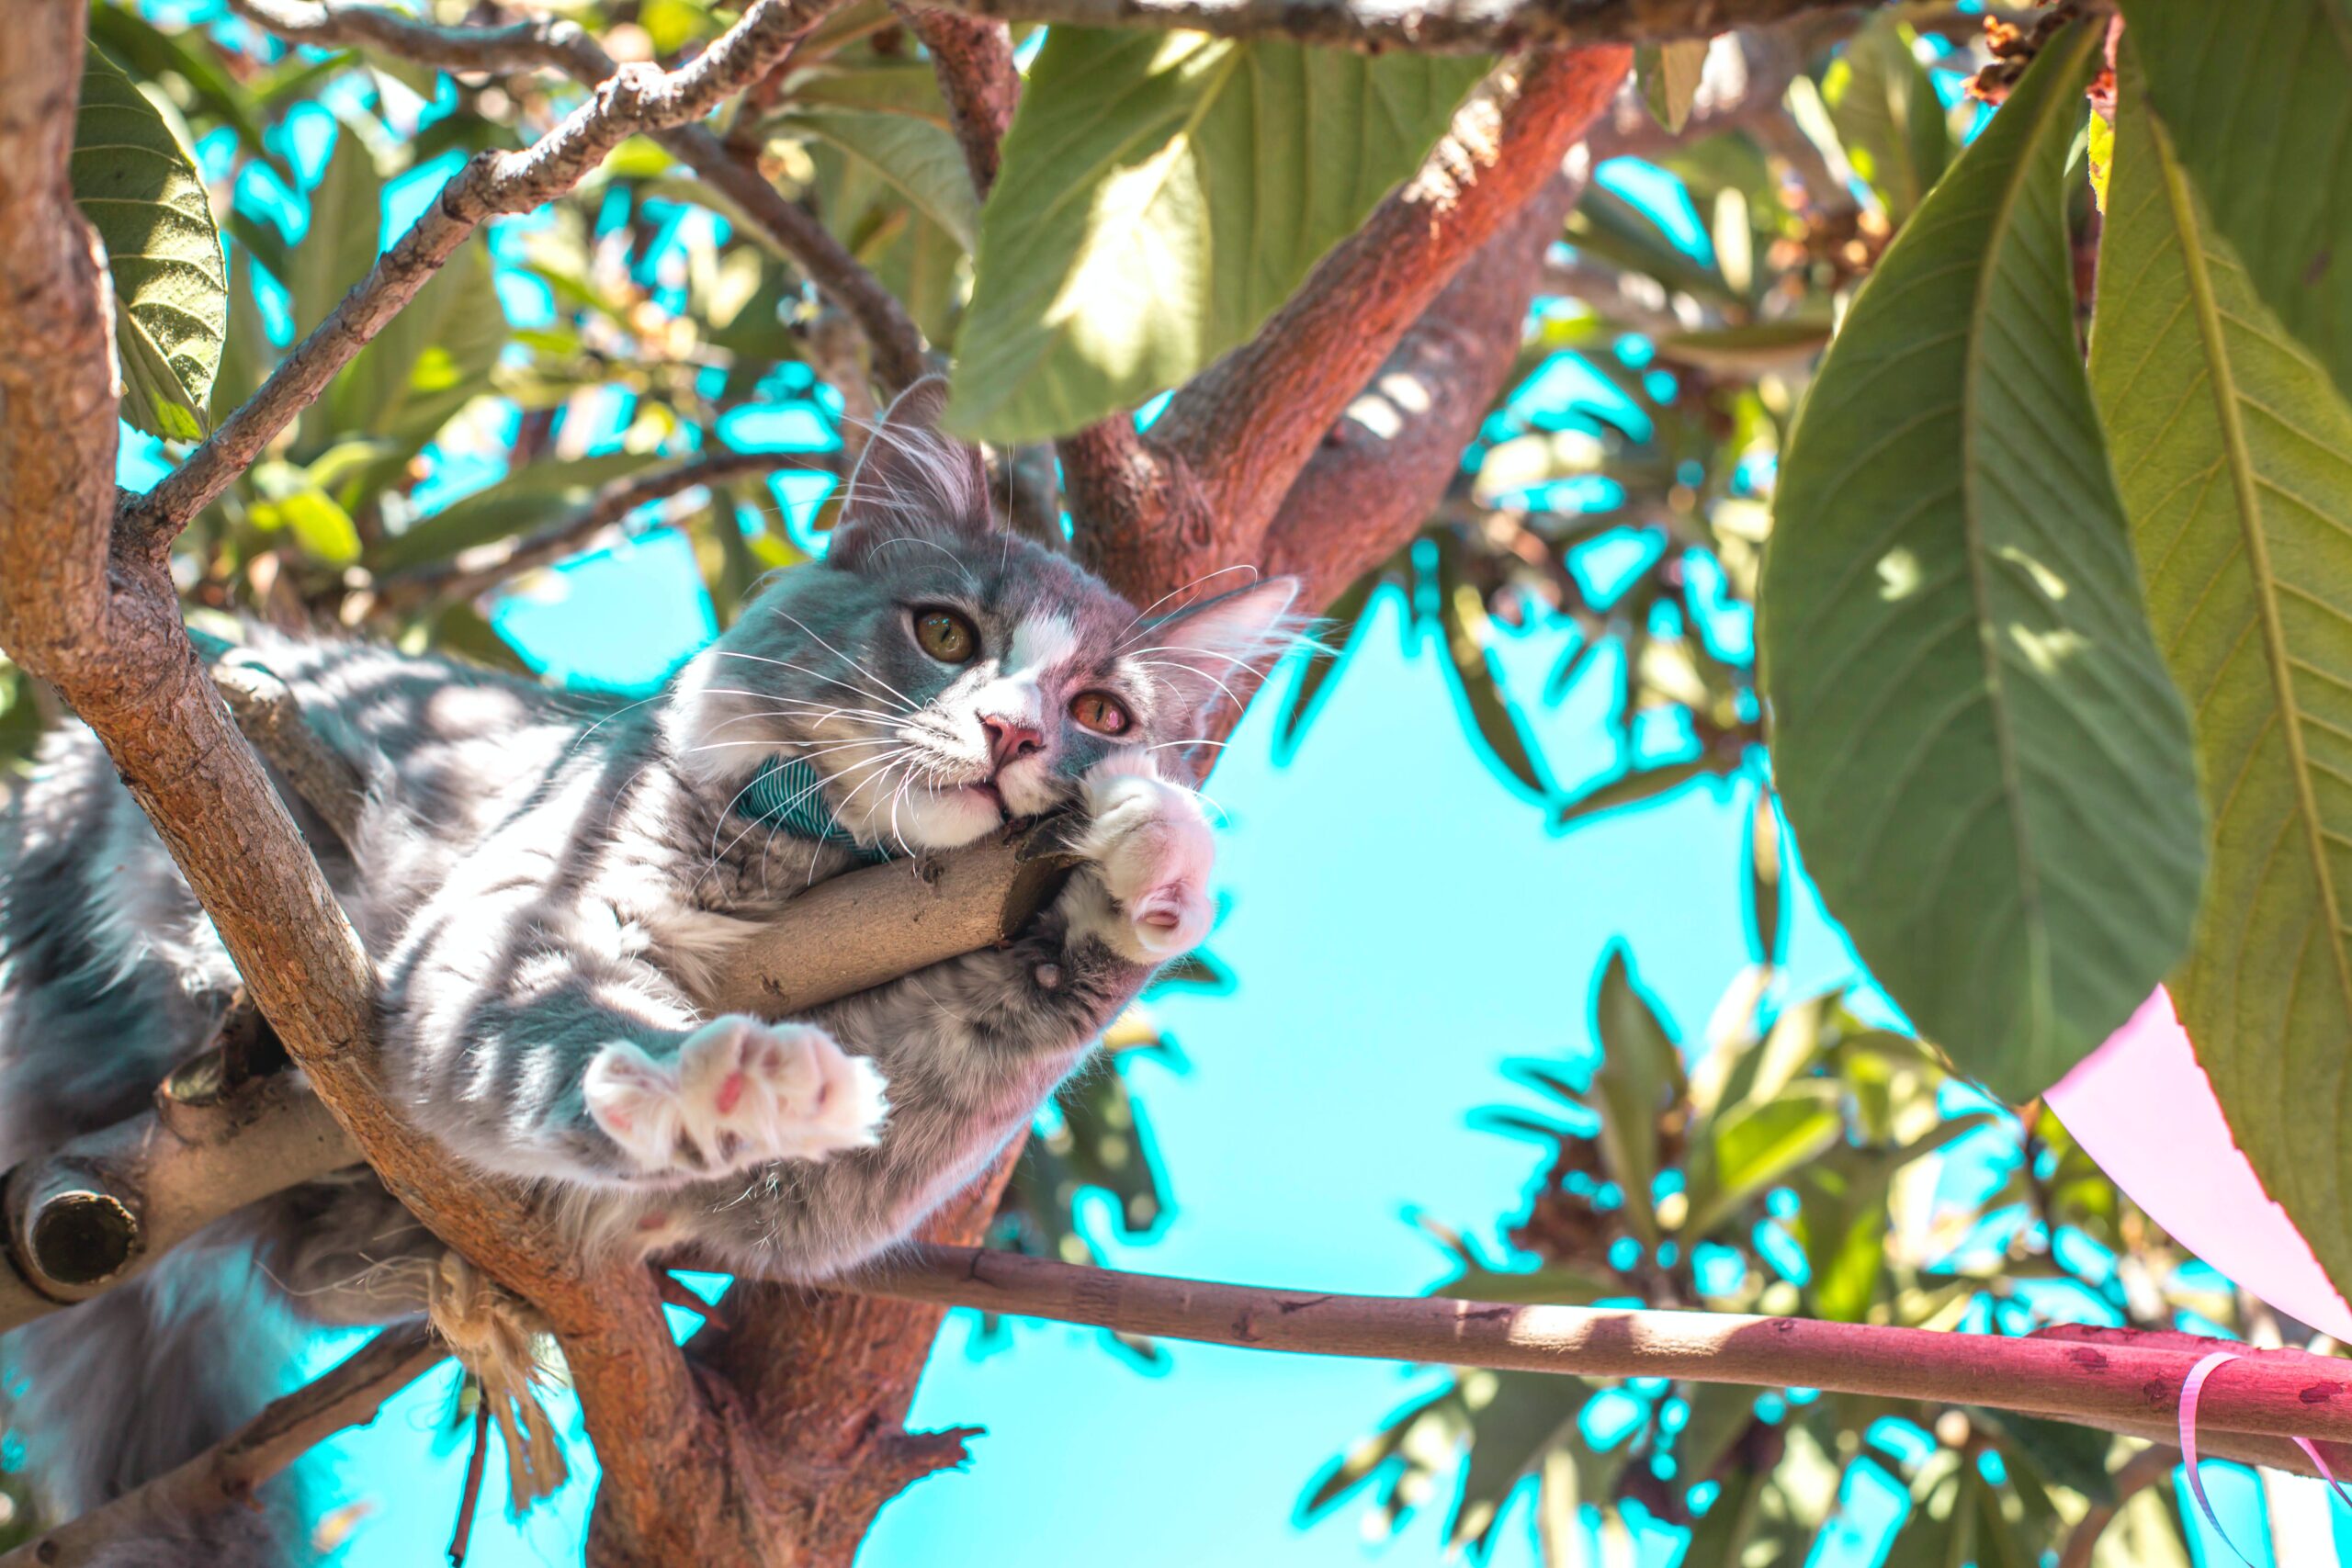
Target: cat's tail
[[127, 1386]]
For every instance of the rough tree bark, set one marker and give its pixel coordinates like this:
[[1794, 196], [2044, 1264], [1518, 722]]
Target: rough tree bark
[[1471, 27]]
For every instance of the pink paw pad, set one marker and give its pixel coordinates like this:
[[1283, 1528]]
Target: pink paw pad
[[738, 1094]]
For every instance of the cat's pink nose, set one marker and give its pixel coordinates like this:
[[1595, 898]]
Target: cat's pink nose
[[1010, 740]]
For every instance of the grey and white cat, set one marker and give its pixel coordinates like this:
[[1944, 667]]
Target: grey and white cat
[[550, 888]]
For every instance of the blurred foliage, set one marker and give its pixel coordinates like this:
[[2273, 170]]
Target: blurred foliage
[[1796, 1161]]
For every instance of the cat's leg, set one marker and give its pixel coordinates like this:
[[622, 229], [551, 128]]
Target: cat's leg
[[537, 1039], [1150, 851], [972, 1046]]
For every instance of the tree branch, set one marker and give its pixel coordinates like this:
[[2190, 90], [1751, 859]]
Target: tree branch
[[2123, 1377], [470, 572], [1386, 462], [228, 1474], [973, 60], [1440, 27], [626, 101], [1201, 490], [552, 43], [92, 609]]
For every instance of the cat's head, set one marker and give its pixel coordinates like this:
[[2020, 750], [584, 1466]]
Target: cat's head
[[943, 674]]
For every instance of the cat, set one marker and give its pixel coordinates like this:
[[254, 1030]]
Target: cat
[[549, 884]]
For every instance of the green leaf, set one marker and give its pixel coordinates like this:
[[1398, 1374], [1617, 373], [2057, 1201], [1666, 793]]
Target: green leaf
[[1668, 74], [1756, 349], [293, 499], [1720, 1539], [1640, 1078], [135, 180], [2073, 1457], [1476, 675], [2146, 1533], [539, 494], [1988, 773], [1766, 900], [921, 162], [2235, 455], [428, 362], [1720, 1415], [1633, 787], [138, 46], [1756, 1146], [1843, 1222], [2253, 94], [1161, 194], [1606, 225], [1524, 1417], [896, 89], [1885, 105], [345, 224]]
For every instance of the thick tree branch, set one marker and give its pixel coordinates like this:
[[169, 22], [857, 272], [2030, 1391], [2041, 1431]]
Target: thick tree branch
[[552, 43], [228, 1474], [1201, 490], [472, 571], [973, 59], [2123, 1377], [1429, 26], [91, 609], [93, 1213], [1385, 463]]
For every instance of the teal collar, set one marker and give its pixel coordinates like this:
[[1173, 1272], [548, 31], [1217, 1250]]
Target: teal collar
[[789, 794]]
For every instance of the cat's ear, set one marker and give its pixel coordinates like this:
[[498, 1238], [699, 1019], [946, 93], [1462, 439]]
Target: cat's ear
[[911, 479], [1206, 651]]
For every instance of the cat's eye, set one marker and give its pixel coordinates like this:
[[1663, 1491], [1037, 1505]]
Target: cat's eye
[[946, 635], [1101, 713]]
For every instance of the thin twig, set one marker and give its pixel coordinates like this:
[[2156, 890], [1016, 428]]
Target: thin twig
[[485, 566], [462, 1538], [550, 43], [629, 100], [973, 59], [2123, 1377], [227, 1475]]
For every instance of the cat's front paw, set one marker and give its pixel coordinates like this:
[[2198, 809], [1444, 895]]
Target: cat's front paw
[[739, 1093], [1152, 850]]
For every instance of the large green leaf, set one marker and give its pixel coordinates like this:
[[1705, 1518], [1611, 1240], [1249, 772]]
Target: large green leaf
[[2256, 95], [135, 180], [345, 228], [428, 362], [1988, 769], [1885, 105], [920, 161], [1161, 194], [152, 54], [2234, 453]]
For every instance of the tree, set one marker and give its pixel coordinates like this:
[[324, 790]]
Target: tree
[[1139, 225]]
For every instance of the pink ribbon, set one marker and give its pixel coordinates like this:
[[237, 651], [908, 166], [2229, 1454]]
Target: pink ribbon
[[2192, 1388]]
